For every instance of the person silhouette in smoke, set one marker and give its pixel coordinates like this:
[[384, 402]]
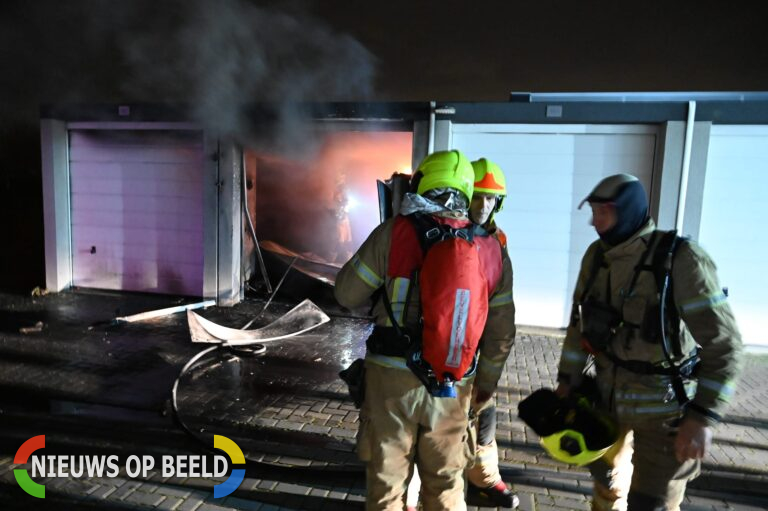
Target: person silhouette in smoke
[[341, 204]]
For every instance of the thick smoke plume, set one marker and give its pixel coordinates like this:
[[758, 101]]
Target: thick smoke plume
[[224, 58], [230, 56]]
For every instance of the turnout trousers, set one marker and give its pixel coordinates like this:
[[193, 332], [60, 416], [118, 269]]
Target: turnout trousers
[[642, 467], [401, 424]]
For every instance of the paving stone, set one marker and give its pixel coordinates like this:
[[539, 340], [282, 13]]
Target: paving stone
[[170, 491], [146, 499], [122, 492], [295, 462], [573, 504], [192, 503], [347, 433], [267, 485], [290, 425], [355, 497], [243, 504], [316, 415], [337, 495], [526, 501], [292, 488], [207, 506], [311, 428], [530, 489], [103, 491], [170, 504]]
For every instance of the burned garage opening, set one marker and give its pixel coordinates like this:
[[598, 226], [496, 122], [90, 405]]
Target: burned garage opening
[[141, 198], [320, 204]]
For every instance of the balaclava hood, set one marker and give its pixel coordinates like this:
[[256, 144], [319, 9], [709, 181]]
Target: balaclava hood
[[627, 194]]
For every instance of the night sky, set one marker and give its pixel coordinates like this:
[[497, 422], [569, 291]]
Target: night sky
[[96, 50], [481, 53], [218, 55]]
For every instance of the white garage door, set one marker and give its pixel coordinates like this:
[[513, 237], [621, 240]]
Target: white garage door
[[137, 221], [734, 206], [549, 170]]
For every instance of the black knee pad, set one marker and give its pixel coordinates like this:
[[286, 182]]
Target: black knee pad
[[486, 426], [642, 502]]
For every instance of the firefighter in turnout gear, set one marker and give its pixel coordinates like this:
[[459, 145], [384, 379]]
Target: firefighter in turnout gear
[[402, 421], [649, 311], [483, 477]]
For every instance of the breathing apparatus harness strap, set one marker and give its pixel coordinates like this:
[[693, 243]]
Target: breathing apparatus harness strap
[[391, 341], [597, 262], [676, 372], [661, 267], [399, 341]]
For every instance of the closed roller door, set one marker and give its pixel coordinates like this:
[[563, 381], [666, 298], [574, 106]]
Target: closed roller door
[[137, 202], [548, 174], [734, 206]]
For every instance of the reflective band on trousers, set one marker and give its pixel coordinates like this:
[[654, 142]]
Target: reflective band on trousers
[[385, 361]]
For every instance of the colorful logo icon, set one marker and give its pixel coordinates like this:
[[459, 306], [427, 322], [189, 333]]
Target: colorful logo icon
[[22, 476], [238, 474]]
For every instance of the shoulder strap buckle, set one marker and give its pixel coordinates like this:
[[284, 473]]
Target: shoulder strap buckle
[[432, 233]]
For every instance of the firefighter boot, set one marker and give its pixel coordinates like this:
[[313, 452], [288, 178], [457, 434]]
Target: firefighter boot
[[498, 494]]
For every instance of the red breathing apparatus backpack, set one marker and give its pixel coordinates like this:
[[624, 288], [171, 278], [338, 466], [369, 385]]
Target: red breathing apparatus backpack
[[453, 301]]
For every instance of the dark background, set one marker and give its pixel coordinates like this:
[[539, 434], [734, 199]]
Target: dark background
[[218, 56]]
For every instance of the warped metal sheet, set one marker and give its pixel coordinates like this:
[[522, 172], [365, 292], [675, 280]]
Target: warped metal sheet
[[311, 265], [310, 258], [164, 312], [302, 318]]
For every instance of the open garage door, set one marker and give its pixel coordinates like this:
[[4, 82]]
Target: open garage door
[[324, 204], [733, 207], [549, 170], [137, 210]]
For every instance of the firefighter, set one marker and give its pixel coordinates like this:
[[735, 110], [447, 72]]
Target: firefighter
[[483, 477], [341, 205], [401, 421], [649, 311]]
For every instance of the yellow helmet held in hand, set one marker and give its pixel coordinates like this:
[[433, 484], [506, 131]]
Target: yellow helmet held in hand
[[446, 169], [570, 446], [571, 430]]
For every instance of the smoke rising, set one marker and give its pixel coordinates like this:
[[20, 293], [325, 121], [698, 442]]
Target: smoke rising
[[219, 57], [232, 55]]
